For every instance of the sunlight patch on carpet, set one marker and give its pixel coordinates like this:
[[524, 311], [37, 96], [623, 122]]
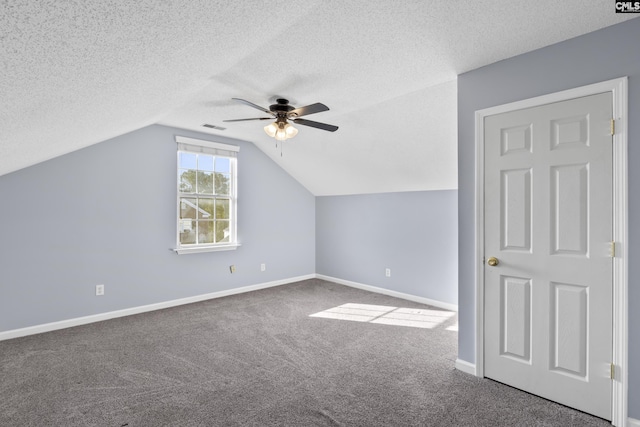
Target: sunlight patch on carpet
[[387, 315]]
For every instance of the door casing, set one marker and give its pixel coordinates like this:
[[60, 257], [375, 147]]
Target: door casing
[[618, 87]]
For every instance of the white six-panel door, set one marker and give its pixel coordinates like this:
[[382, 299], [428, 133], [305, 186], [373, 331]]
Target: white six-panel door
[[548, 223]]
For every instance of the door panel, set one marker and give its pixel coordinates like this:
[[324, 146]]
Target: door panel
[[515, 318], [515, 187], [570, 213], [548, 220], [568, 330]]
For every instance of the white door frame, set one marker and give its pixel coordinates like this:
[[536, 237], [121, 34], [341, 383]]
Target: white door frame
[[618, 87]]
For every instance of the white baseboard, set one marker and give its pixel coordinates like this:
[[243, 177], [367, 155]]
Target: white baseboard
[[68, 323], [409, 297], [632, 422], [467, 367], [48, 327]]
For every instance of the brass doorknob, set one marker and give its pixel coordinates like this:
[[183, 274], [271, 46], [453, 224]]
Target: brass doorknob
[[493, 261]]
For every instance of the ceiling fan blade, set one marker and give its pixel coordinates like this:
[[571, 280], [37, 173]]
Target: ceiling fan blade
[[323, 126], [251, 104], [244, 120], [309, 109]]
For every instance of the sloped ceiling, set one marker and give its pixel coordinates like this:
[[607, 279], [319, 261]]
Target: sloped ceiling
[[75, 73]]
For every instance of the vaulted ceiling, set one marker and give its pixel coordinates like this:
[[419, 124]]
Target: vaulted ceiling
[[75, 73]]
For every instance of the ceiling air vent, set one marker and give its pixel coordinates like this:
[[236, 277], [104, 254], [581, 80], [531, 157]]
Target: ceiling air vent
[[207, 125]]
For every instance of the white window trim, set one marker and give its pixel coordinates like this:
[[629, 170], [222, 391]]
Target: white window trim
[[207, 248], [227, 246]]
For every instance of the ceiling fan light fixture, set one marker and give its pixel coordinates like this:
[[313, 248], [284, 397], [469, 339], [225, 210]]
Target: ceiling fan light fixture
[[281, 133], [290, 130], [280, 130], [271, 129]]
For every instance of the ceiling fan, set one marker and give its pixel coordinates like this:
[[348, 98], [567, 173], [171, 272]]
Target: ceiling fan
[[282, 112]]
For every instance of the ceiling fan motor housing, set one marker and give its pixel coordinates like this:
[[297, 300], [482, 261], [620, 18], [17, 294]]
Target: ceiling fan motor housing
[[281, 108]]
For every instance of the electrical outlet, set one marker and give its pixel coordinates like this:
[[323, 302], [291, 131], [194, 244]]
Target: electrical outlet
[[232, 268], [387, 272], [99, 289], [263, 267]]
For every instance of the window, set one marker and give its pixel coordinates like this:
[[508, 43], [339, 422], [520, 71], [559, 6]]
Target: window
[[206, 196]]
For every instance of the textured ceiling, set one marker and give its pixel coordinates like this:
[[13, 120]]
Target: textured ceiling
[[74, 73]]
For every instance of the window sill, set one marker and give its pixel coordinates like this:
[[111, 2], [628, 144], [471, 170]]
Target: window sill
[[199, 249]]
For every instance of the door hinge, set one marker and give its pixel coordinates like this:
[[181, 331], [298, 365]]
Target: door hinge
[[612, 249], [613, 371], [613, 126]]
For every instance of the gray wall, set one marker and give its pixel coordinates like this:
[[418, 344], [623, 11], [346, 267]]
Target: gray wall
[[603, 55], [106, 214], [413, 233]]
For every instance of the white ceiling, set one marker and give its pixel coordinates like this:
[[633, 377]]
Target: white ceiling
[[75, 73]]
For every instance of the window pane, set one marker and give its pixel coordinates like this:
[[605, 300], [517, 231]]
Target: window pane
[[188, 208], [205, 198], [222, 209], [187, 232], [205, 208], [205, 163], [187, 182], [222, 183], [205, 232], [222, 231], [205, 182], [187, 161], [222, 164]]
